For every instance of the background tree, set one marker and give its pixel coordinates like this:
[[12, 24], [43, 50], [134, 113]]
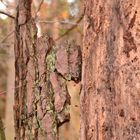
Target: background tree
[[111, 70]]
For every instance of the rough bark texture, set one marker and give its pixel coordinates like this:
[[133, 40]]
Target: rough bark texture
[[110, 98], [42, 69]]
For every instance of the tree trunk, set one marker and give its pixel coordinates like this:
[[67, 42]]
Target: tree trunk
[[35, 117], [110, 98], [55, 25], [41, 95], [9, 115]]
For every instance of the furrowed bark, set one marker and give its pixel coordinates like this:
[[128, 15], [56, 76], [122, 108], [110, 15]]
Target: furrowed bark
[[110, 108], [41, 95]]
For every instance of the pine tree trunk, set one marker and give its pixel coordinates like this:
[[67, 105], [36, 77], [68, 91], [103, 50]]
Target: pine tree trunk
[[35, 117], [41, 95], [110, 98], [31, 119]]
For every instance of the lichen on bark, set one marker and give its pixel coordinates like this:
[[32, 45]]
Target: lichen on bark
[[41, 96]]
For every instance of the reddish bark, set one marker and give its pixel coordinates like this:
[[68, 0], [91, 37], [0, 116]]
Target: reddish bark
[[41, 96], [111, 70]]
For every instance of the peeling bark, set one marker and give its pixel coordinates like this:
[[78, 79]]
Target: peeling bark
[[111, 70]]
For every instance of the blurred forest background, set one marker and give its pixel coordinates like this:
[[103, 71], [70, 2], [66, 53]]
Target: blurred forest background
[[60, 19]]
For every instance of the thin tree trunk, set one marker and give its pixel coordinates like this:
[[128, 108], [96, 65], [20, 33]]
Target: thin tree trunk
[[110, 107], [9, 118], [55, 26], [9, 114]]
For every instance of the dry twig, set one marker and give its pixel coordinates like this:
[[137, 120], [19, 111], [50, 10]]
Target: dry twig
[[73, 27], [7, 14], [39, 7], [9, 34]]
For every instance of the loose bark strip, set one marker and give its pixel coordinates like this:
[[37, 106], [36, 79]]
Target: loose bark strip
[[110, 108]]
